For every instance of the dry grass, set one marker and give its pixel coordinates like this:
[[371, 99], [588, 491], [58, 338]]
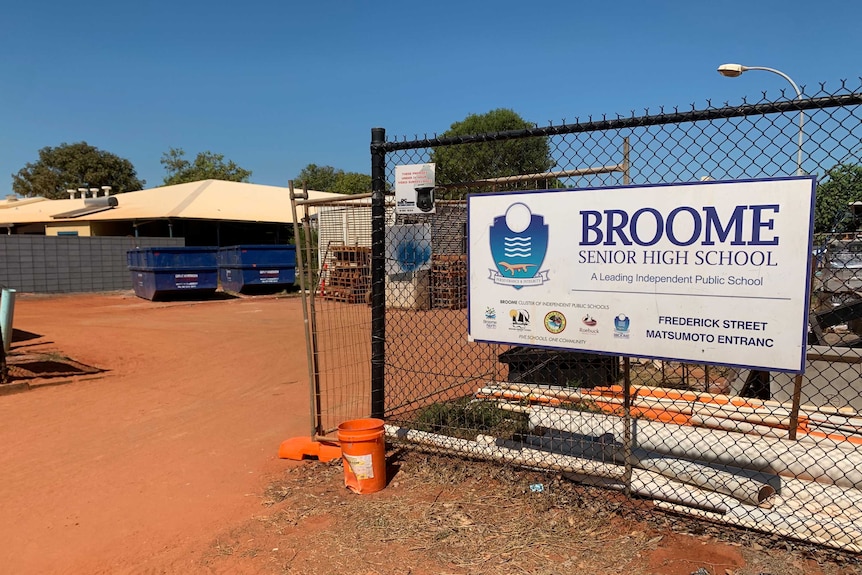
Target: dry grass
[[476, 521], [444, 514]]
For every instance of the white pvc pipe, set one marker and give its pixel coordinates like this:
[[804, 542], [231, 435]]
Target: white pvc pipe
[[703, 399], [717, 420], [731, 418], [739, 415], [841, 511], [834, 430], [744, 420], [735, 483], [739, 487], [821, 493], [768, 416], [820, 462], [795, 496], [738, 426], [806, 526], [847, 428], [651, 485], [528, 457], [703, 396], [766, 431], [674, 496], [837, 419], [643, 483], [789, 526], [818, 499]]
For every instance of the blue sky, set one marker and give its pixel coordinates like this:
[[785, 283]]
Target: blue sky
[[276, 85]]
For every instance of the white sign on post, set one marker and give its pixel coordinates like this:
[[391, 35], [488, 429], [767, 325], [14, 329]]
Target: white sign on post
[[414, 189], [710, 272]]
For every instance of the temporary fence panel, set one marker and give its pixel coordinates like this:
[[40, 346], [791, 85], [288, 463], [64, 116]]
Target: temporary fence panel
[[333, 263]]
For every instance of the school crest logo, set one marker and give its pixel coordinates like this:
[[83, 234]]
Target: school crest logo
[[520, 319], [519, 242], [621, 326], [555, 322]]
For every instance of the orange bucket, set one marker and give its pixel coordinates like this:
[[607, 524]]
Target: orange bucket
[[363, 451]]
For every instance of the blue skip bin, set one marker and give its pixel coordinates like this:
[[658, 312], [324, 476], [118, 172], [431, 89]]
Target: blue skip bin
[[257, 268], [173, 272]]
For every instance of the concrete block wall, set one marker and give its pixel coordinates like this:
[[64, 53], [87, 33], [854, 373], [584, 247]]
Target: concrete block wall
[[69, 264]]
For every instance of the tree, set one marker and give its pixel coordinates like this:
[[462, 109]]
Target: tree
[[470, 162], [314, 177], [206, 166], [841, 185], [329, 179], [352, 183], [70, 166]]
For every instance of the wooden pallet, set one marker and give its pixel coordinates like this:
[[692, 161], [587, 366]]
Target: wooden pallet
[[351, 255], [348, 277], [447, 263], [449, 281]]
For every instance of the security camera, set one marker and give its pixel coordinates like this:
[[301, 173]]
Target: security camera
[[425, 198]]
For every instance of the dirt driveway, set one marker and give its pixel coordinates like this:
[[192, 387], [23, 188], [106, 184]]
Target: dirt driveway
[[134, 469], [165, 462]]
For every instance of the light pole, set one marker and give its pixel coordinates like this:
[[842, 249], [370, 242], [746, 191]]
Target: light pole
[[734, 70]]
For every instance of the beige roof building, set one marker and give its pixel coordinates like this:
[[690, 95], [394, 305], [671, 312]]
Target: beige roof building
[[203, 212]]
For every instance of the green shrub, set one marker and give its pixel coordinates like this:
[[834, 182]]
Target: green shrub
[[466, 418]]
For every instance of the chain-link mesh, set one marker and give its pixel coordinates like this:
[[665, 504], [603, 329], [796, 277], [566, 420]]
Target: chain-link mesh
[[334, 241], [769, 451]]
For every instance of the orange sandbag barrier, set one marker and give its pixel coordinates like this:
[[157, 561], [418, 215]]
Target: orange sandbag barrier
[[363, 451]]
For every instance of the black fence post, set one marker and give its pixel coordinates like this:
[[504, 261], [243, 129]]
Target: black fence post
[[378, 285]]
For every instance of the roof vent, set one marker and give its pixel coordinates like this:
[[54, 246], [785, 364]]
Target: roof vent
[[108, 202], [91, 206]]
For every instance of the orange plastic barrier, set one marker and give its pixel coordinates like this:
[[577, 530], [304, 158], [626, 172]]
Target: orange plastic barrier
[[363, 451], [299, 448]]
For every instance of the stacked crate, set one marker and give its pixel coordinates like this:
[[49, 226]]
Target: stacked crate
[[348, 277], [449, 281]]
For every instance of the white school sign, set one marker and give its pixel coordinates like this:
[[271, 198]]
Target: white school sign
[[712, 272]]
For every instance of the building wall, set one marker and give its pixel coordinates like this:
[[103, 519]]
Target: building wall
[[114, 228], [68, 264], [80, 230], [448, 227], [348, 225]]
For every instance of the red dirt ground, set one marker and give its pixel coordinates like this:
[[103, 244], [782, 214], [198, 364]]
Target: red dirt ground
[[166, 462], [136, 469]]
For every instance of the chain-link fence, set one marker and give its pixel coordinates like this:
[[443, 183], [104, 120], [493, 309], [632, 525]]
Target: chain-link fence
[[756, 449]]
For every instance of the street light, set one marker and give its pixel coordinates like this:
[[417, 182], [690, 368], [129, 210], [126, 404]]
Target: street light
[[735, 70]]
